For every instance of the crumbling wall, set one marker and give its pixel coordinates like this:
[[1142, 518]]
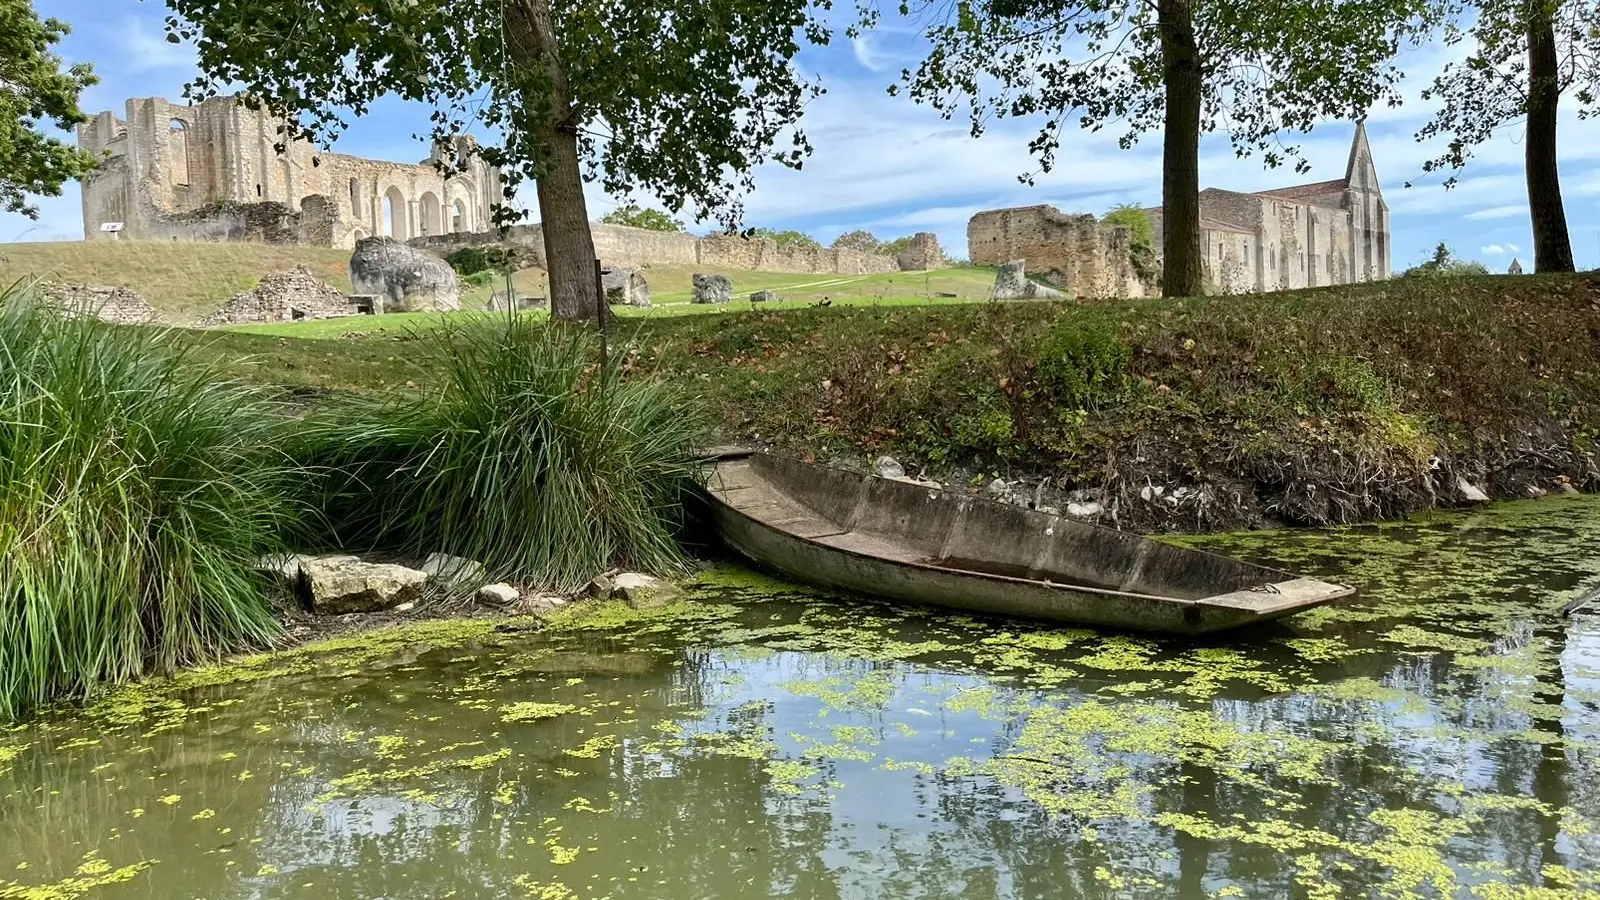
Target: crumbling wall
[[283, 297], [922, 254], [620, 246], [1084, 257], [108, 303]]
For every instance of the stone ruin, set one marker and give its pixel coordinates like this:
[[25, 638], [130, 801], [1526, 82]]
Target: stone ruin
[[408, 279], [625, 286], [764, 297], [501, 301], [1011, 283], [284, 297], [922, 254], [712, 288], [108, 303]]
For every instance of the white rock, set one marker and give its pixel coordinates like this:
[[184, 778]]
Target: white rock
[[1084, 510], [998, 489], [1567, 489], [644, 591], [499, 596], [344, 584], [1470, 493], [453, 571], [889, 467], [405, 607], [1151, 492]]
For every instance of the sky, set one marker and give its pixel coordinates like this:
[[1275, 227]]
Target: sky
[[887, 165]]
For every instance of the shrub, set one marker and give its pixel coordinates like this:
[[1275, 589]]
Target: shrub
[[635, 216], [469, 261], [1082, 362], [528, 460], [1142, 253], [136, 489]]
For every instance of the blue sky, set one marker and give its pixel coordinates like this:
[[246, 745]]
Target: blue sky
[[885, 164]]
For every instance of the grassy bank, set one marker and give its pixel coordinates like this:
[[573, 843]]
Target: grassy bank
[[140, 485], [1326, 405]]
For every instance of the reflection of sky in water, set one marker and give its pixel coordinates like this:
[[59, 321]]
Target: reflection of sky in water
[[1438, 737]]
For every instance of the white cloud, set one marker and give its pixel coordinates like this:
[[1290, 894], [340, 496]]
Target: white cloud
[[145, 48], [1499, 249], [867, 55], [1498, 212]]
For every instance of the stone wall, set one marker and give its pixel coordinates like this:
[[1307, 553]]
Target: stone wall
[[283, 297], [620, 246], [168, 160], [1084, 257], [108, 303], [923, 253]]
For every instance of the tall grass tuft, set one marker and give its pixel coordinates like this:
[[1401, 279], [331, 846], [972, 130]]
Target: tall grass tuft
[[135, 490], [528, 460]]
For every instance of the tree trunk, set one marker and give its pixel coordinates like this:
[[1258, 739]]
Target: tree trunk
[[563, 213], [1181, 273], [1552, 246]]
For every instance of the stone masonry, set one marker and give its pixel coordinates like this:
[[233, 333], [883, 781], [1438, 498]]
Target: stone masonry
[[212, 172], [619, 246], [1085, 257], [1329, 232], [108, 303], [283, 297]]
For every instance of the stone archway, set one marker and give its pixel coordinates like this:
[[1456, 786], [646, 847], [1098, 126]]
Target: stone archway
[[430, 214], [396, 220], [458, 217]]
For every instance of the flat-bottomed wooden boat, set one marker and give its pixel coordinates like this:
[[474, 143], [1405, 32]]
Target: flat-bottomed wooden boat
[[905, 541]]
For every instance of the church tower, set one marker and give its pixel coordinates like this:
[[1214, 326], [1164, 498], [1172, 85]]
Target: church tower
[[1369, 214]]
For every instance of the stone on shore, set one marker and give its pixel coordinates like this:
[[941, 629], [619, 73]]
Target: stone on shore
[[888, 467], [335, 585], [1470, 492], [644, 591], [498, 596], [453, 572]]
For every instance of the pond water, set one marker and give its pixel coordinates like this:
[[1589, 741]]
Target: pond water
[[1436, 737]]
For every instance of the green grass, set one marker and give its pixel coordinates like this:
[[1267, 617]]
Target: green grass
[[1321, 405], [136, 488], [527, 458], [969, 285], [184, 281]]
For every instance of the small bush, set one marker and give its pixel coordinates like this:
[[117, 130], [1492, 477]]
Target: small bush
[[469, 261], [136, 489], [528, 460], [1082, 362]]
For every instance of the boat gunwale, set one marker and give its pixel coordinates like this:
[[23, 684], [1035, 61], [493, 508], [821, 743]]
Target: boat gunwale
[[1332, 591]]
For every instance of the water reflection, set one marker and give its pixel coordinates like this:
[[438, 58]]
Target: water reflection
[[1439, 737]]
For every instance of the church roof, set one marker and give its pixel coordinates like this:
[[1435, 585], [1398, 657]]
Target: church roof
[[1308, 191]]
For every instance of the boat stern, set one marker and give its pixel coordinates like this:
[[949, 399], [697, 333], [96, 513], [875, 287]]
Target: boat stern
[[1267, 602]]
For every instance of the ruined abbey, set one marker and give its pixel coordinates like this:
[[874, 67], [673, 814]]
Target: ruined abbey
[[212, 172], [1328, 232]]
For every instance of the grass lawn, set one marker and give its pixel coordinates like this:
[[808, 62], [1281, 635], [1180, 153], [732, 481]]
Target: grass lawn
[[184, 281], [672, 298]]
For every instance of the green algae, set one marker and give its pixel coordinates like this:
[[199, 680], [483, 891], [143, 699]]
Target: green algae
[[1330, 760]]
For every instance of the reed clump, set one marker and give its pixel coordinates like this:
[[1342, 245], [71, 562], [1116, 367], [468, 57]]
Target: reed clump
[[529, 458], [136, 489]]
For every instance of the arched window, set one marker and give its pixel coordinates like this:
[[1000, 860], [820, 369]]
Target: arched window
[[430, 213], [355, 196], [395, 221], [178, 150]]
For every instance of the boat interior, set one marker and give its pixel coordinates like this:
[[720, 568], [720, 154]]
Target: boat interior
[[914, 524]]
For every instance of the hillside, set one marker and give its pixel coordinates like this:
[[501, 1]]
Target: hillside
[[1326, 405], [183, 281]]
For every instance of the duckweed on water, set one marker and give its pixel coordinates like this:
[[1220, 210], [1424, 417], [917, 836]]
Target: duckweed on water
[[1428, 740]]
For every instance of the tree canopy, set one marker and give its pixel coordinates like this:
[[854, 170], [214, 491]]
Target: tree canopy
[[786, 238], [35, 91], [635, 216], [1523, 56], [1250, 69], [860, 239], [1443, 263], [680, 100]]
